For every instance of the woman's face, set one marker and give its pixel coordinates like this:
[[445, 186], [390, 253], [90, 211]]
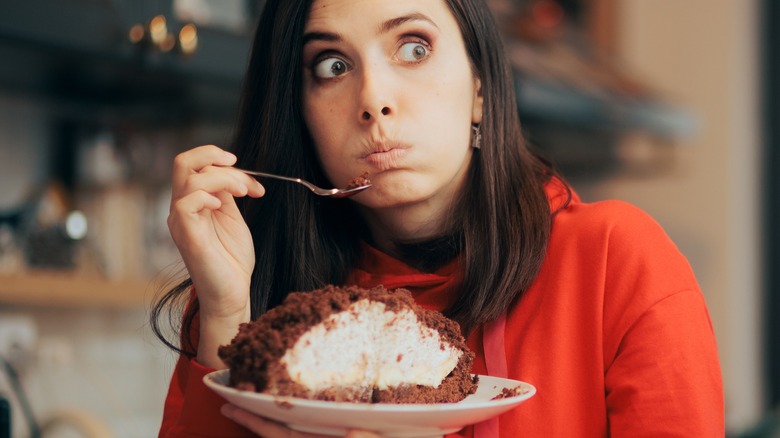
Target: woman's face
[[388, 89]]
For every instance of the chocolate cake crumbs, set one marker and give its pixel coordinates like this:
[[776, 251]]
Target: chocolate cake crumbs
[[359, 181], [510, 392], [284, 404]]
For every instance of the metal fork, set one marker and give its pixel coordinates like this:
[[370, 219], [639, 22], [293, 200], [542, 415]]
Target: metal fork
[[332, 193]]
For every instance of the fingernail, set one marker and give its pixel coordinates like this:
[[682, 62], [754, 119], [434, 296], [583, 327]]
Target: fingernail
[[227, 411]]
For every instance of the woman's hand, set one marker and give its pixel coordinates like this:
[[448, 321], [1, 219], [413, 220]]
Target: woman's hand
[[271, 429], [214, 241]]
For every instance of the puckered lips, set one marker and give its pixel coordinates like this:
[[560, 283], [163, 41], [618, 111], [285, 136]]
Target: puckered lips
[[385, 154]]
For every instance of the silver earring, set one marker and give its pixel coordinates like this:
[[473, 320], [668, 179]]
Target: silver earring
[[476, 138]]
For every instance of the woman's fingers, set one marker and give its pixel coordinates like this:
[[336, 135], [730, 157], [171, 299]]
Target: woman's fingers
[[195, 202], [259, 425], [190, 166], [361, 434], [195, 159], [271, 429], [215, 181], [248, 184], [183, 222]]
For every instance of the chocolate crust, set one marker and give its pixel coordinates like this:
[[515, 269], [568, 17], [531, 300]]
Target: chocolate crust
[[359, 181], [254, 354]]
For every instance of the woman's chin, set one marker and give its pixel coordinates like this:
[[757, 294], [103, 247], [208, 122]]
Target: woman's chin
[[381, 198]]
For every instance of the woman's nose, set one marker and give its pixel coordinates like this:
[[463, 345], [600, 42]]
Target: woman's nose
[[376, 100], [385, 111]]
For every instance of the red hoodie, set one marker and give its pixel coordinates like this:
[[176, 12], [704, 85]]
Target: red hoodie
[[614, 333]]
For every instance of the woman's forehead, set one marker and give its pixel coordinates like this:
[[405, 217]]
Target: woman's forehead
[[344, 12]]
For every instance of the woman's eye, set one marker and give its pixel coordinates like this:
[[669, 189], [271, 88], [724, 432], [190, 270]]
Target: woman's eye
[[413, 52], [330, 68]]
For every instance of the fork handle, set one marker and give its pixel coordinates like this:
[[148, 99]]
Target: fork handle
[[269, 175]]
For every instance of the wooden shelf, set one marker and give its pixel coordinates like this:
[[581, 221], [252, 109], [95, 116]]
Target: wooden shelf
[[68, 290]]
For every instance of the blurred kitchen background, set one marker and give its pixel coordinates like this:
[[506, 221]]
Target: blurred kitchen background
[[671, 105]]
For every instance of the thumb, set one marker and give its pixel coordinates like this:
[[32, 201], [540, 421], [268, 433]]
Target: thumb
[[361, 434]]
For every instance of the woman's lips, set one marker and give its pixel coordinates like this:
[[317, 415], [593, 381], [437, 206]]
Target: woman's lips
[[386, 159]]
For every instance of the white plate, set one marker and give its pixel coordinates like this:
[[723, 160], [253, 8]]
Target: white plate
[[391, 420]]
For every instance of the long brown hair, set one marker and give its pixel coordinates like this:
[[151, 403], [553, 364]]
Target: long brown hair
[[303, 243]]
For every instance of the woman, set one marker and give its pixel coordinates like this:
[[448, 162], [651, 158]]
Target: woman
[[591, 303]]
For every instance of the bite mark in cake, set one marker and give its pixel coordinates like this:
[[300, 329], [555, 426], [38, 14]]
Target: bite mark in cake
[[352, 344]]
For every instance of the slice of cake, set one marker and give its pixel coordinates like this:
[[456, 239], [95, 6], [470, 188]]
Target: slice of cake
[[352, 344]]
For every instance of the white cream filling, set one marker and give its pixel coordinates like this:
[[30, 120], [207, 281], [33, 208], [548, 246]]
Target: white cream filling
[[366, 345]]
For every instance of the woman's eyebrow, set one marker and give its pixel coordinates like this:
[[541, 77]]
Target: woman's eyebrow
[[392, 23], [385, 27]]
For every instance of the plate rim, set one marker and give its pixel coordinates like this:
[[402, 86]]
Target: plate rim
[[530, 390]]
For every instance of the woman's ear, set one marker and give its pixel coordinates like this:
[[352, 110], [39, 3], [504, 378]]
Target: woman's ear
[[476, 111]]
